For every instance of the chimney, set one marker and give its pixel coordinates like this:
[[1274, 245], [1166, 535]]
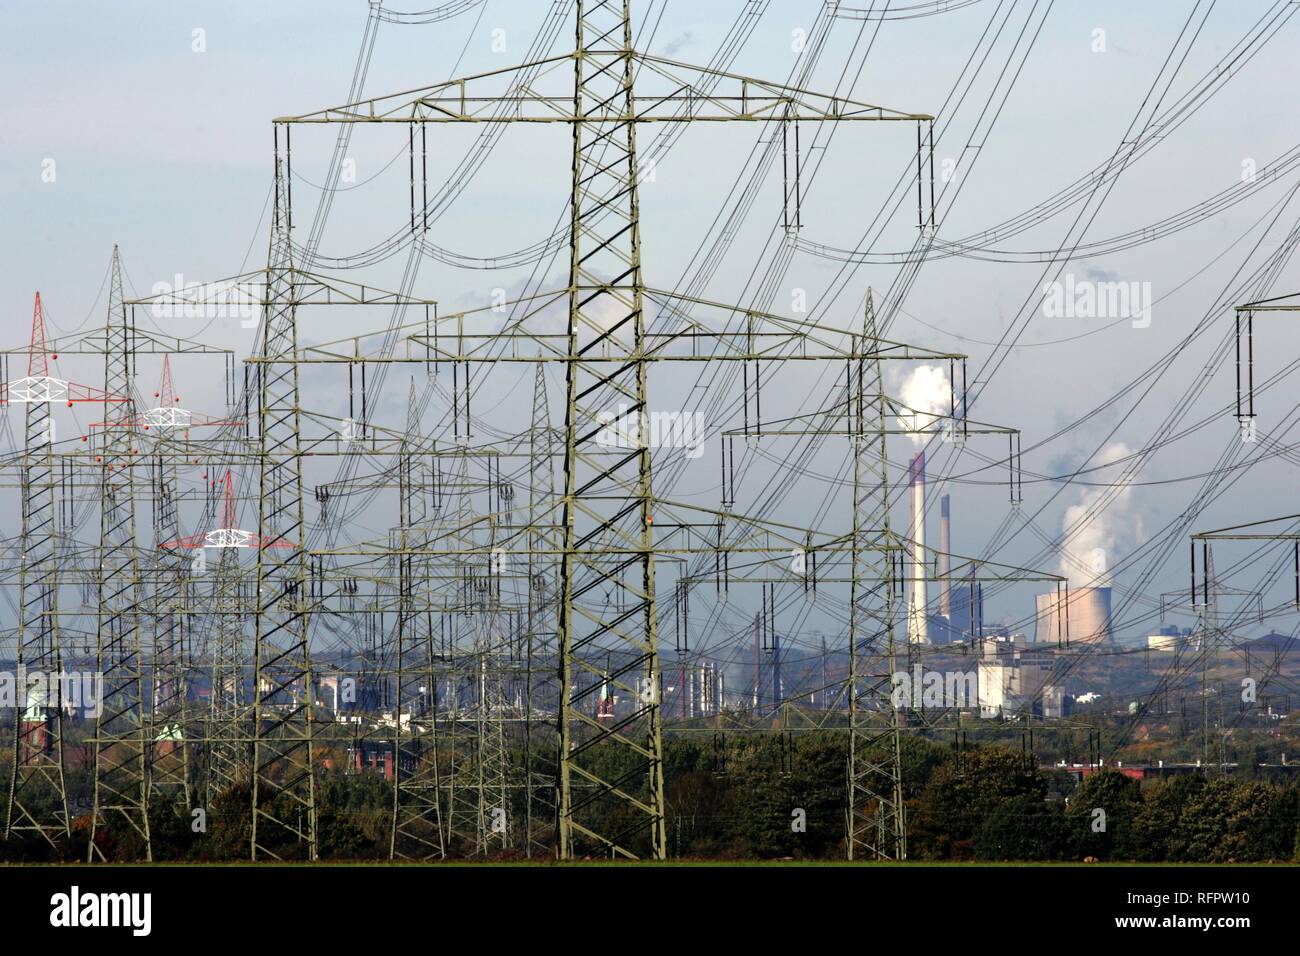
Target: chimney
[[777, 689], [945, 559], [918, 631]]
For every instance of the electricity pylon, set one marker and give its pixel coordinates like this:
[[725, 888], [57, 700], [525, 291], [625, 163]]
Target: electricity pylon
[[277, 719], [38, 800], [1213, 632], [417, 790], [491, 765], [610, 771], [612, 527], [606, 538], [229, 727], [135, 695], [876, 823], [169, 730], [229, 724], [477, 805], [121, 742], [284, 781], [539, 739]]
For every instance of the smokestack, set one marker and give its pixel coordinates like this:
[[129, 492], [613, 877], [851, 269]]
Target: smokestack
[[918, 631], [945, 559], [825, 678], [776, 670]]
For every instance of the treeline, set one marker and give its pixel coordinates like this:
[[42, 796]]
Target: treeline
[[768, 796], [984, 804], [990, 806]]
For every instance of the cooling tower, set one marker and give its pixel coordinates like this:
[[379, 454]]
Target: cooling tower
[[1084, 611]]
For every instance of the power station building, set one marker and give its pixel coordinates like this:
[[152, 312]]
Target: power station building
[[1015, 676]]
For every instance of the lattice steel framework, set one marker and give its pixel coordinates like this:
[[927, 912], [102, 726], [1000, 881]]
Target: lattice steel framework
[[417, 830], [169, 732], [606, 544], [876, 822], [229, 718], [38, 799], [608, 769], [284, 782], [540, 767], [121, 742]]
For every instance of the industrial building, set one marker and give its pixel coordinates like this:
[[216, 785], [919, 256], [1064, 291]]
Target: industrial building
[[1015, 676]]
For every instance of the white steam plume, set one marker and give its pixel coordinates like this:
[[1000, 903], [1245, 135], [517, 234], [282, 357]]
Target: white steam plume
[[927, 393], [1090, 530]]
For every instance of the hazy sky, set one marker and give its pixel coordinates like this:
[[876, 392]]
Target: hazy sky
[[167, 151]]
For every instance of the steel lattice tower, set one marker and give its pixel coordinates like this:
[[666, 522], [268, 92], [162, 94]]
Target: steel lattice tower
[[478, 765], [283, 760], [121, 744], [169, 730], [229, 726], [607, 600], [876, 824], [491, 766], [37, 794], [608, 767], [417, 792], [539, 739]]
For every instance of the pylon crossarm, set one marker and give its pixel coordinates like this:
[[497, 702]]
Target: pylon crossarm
[[143, 342], [250, 288], [1238, 532], [679, 96]]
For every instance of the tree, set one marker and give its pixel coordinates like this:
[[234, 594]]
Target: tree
[[1024, 829], [229, 826], [963, 794], [1236, 821], [1157, 834], [1100, 811]]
